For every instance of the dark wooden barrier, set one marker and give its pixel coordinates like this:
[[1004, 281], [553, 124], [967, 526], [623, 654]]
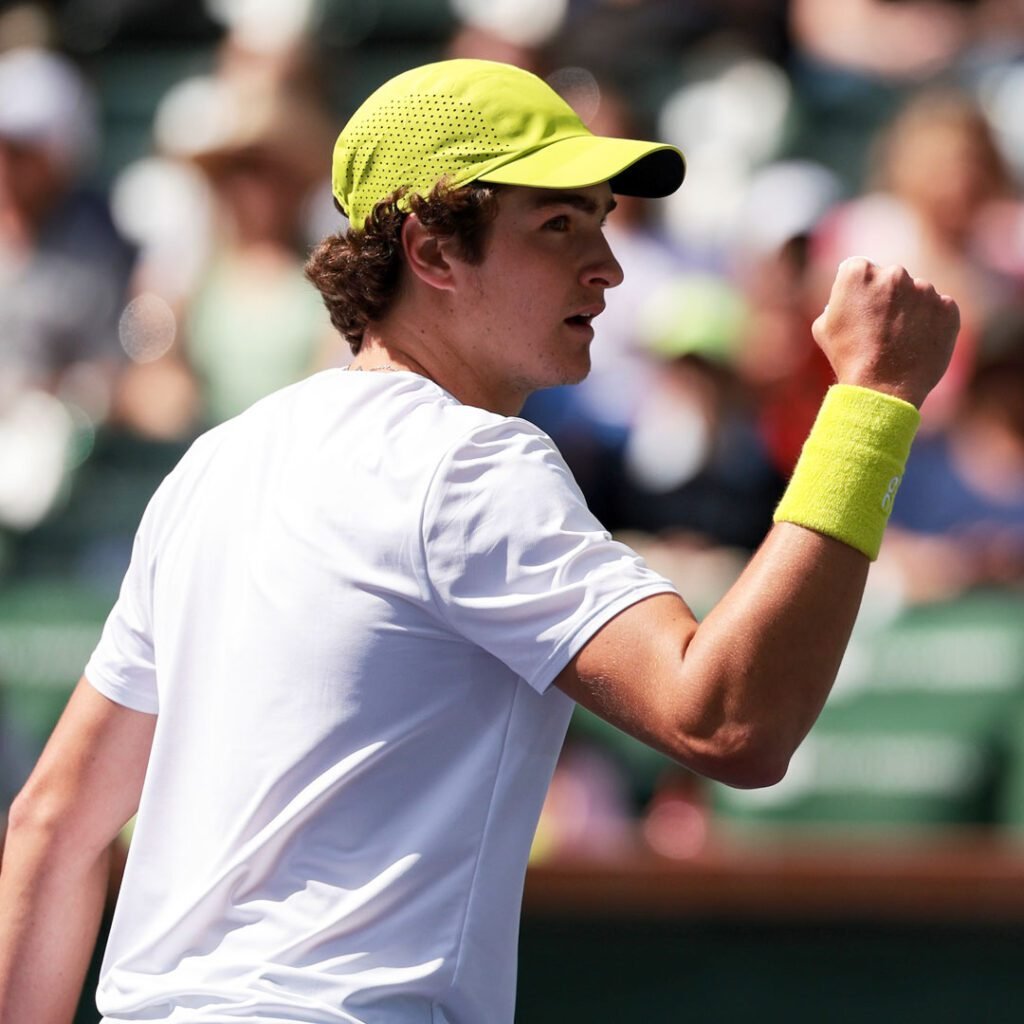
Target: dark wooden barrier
[[787, 928]]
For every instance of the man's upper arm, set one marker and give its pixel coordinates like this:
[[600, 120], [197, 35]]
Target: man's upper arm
[[734, 698], [629, 672], [88, 781]]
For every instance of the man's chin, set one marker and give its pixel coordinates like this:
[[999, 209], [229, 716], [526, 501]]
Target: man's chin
[[560, 376], [582, 373], [575, 371], [565, 379]]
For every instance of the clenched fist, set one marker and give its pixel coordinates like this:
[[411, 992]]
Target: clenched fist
[[886, 330]]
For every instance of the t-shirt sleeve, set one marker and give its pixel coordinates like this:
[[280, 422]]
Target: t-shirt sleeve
[[123, 666], [516, 562]]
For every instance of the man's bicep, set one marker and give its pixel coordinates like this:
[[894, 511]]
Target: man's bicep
[[89, 778], [630, 672]]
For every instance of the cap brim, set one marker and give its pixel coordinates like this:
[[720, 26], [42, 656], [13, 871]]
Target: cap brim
[[632, 168]]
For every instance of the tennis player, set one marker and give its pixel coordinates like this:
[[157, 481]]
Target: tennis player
[[358, 616]]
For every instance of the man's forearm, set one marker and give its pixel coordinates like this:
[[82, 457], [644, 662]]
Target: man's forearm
[[56, 864], [51, 903], [767, 655]]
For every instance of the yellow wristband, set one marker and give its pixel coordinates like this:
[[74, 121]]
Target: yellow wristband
[[851, 466]]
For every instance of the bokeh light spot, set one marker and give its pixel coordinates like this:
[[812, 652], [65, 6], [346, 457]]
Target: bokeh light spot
[[147, 327]]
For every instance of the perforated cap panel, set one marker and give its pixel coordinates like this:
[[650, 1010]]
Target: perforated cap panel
[[415, 141]]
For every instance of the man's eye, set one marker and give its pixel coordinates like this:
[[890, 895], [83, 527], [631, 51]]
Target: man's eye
[[560, 223]]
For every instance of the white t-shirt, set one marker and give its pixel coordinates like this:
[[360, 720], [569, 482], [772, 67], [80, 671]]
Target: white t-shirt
[[347, 606]]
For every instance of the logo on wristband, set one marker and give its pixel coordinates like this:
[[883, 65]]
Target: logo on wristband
[[890, 494]]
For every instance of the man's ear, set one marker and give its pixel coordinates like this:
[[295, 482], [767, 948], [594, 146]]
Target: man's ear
[[426, 255]]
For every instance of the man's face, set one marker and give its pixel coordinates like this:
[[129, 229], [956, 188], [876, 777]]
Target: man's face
[[524, 313]]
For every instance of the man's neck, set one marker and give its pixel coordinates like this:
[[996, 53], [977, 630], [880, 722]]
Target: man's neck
[[432, 355]]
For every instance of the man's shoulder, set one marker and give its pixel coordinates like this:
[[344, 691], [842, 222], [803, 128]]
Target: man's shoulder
[[412, 411], [408, 424]]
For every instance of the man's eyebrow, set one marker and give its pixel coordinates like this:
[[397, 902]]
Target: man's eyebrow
[[574, 199]]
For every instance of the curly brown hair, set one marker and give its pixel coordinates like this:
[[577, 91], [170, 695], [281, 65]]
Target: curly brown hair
[[357, 272]]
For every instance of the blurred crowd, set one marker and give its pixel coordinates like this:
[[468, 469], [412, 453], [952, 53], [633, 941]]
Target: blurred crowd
[[164, 168]]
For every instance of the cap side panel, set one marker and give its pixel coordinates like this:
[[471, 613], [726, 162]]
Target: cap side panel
[[469, 120]]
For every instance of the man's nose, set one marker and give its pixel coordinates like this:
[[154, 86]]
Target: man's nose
[[603, 269]]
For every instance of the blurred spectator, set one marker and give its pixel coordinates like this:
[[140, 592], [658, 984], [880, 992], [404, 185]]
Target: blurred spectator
[[959, 520], [694, 463], [730, 115], [938, 173], [63, 266], [902, 40], [587, 809], [779, 359], [249, 322], [510, 32], [64, 270], [254, 324], [653, 36]]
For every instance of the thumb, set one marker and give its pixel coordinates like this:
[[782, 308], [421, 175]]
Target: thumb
[[818, 327]]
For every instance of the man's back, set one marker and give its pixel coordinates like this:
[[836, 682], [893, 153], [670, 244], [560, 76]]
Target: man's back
[[328, 708]]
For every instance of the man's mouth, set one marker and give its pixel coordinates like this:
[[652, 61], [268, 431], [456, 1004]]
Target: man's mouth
[[585, 315]]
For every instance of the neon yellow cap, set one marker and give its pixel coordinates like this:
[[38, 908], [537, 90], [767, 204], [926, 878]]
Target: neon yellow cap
[[480, 120]]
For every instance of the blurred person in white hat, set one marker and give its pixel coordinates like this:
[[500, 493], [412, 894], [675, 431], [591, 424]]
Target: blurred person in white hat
[[64, 270], [250, 323], [56, 236]]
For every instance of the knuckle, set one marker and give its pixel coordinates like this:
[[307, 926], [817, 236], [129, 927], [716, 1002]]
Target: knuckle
[[855, 268]]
